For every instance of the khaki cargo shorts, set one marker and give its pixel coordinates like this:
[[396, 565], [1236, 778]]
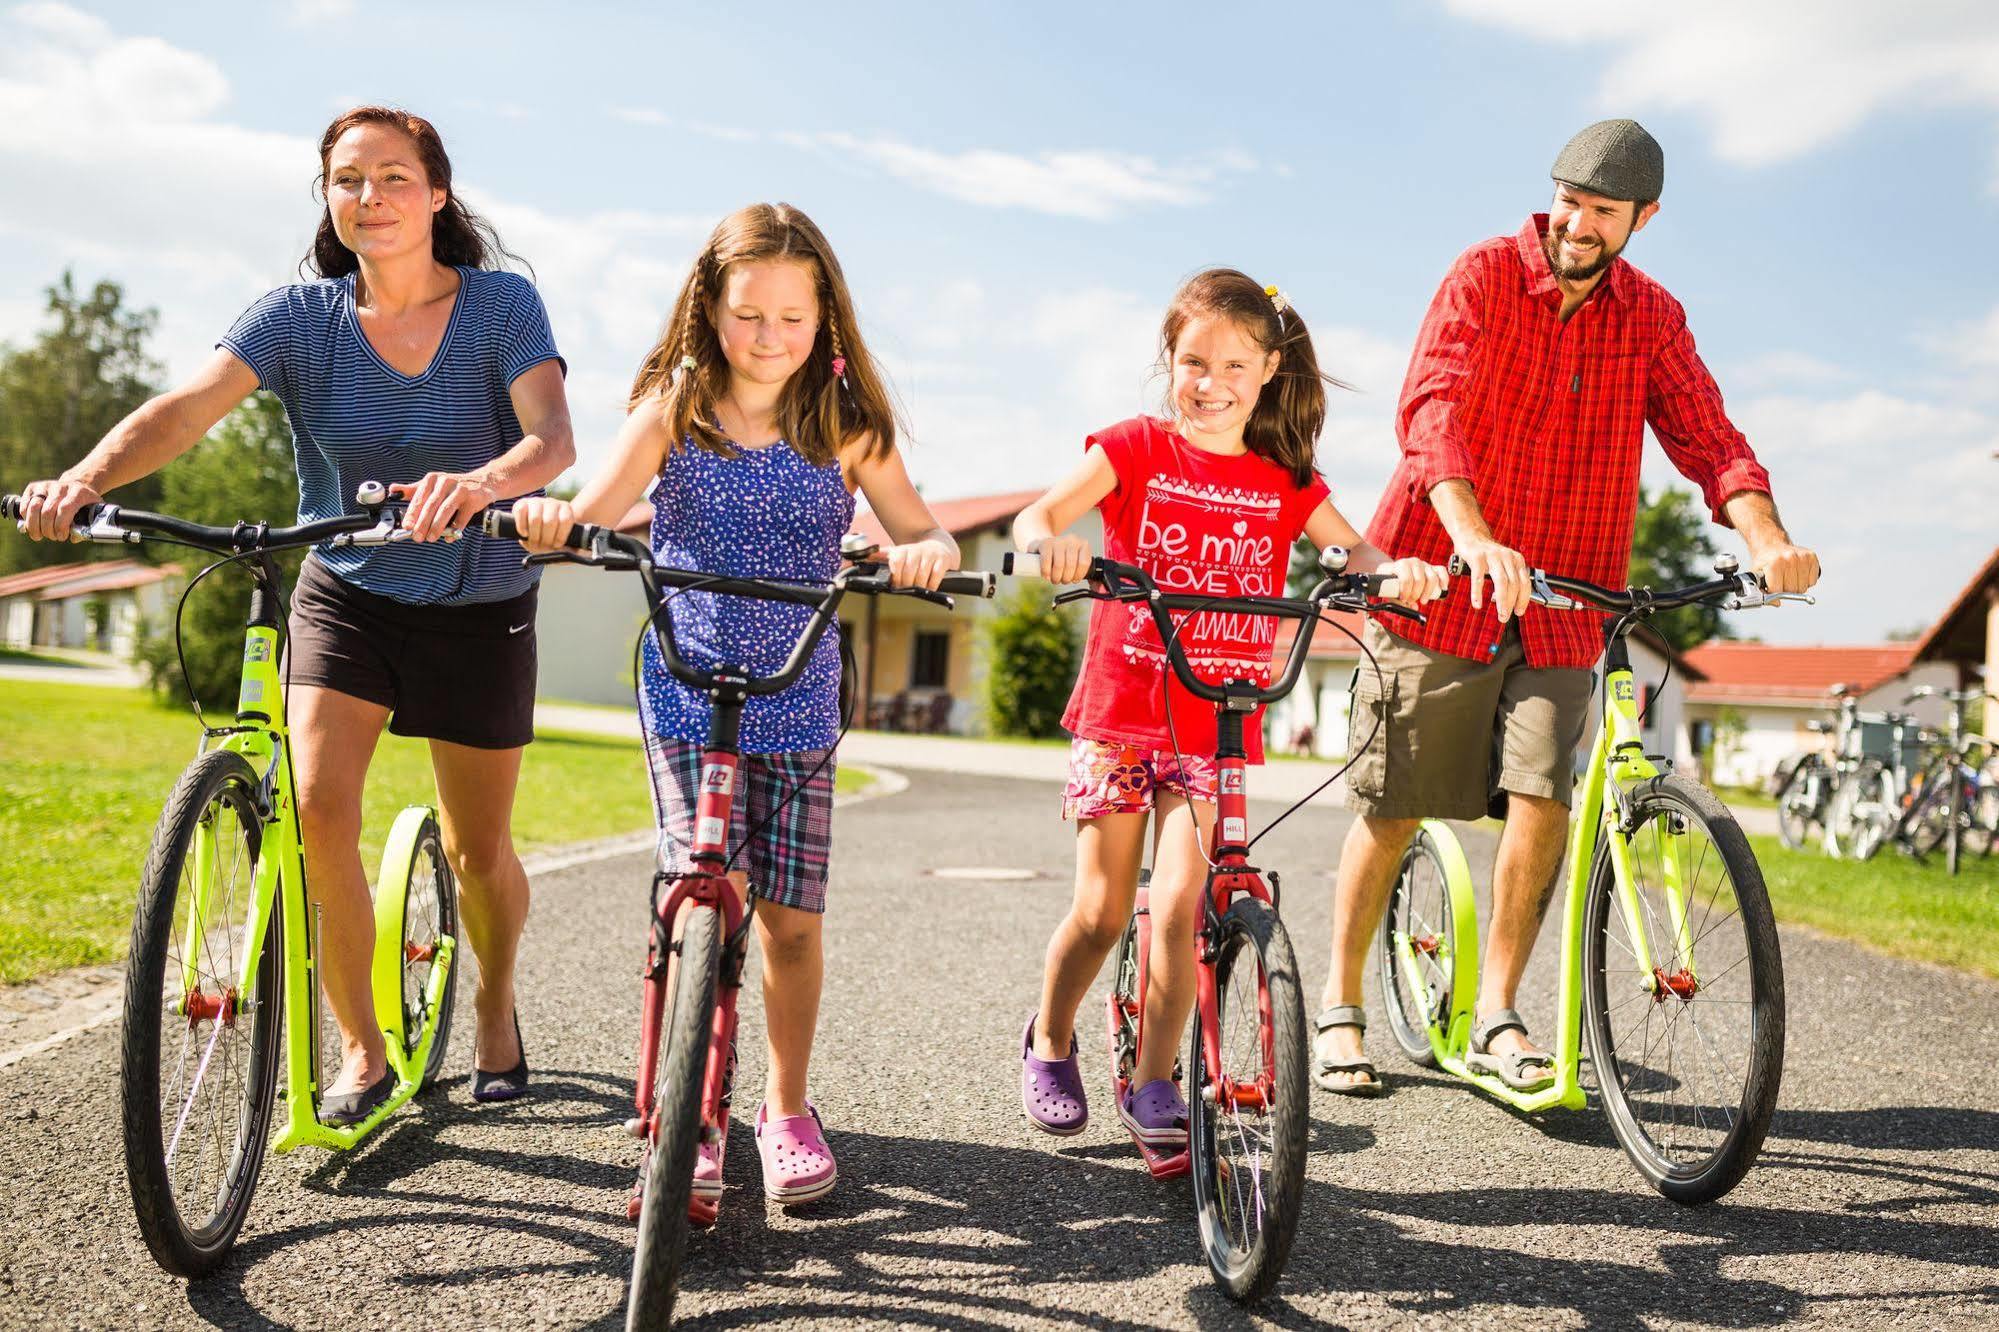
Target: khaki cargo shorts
[[1452, 734]]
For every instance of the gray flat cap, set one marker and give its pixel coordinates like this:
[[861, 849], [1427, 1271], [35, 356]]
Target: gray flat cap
[[1614, 158]]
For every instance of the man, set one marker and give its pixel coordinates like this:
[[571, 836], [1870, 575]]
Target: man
[[1541, 360]]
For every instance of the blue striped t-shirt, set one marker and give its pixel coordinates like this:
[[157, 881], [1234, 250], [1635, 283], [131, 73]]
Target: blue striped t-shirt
[[355, 418]]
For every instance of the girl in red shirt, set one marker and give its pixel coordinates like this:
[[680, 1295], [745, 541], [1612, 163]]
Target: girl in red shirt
[[1207, 500]]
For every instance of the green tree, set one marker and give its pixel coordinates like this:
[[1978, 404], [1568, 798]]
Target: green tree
[[243, 472], [62, 393], [1031, 653], [1671, 548]]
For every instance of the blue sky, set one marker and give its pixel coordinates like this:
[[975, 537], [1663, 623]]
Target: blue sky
[[1014, 191]]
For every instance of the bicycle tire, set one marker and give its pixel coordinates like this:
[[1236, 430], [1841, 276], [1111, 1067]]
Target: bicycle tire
[[1623, 1064], [217, 790], [1928, 820], [1797, 807], [676, 1131], [427, 879], [1251, 931], [1875, 810], [1421, 903]]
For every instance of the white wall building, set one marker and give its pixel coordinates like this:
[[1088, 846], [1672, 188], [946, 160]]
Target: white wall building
[[97, 605]]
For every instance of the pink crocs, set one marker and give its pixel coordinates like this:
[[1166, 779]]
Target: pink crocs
[[798, 1165], [708, 1170]]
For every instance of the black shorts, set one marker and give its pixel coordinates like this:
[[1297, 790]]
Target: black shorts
[[461, 674]]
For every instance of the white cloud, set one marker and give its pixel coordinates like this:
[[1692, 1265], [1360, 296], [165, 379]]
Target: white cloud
[[1977, 344], [137, 174], [1777, 78], [305, 12], [1093, 185], [1779, 369]]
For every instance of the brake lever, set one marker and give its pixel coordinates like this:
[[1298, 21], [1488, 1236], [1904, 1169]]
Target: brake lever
[[935, 598], [552, 557], [1085, 593], [1393, 609]]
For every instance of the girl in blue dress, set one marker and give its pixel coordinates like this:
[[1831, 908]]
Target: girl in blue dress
[[754, 421]]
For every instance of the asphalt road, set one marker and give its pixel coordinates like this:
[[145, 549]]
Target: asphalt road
[[1875, 1203]]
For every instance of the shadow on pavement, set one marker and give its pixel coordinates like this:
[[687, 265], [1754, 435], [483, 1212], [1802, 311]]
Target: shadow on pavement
[[961, 1236]]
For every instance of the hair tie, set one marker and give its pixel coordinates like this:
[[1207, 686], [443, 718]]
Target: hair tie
[[688, 365]]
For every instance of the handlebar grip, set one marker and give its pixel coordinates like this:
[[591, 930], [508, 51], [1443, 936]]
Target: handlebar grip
[[12, 505], [500, 523], [1456, 566], [1388, 587], [1021, 564], [968, 583]]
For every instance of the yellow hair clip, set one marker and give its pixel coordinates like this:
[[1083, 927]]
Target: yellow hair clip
[[1276, 298]]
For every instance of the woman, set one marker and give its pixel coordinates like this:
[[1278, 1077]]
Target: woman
[[410, 361]]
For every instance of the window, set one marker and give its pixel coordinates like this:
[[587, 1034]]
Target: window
[[930, 662]]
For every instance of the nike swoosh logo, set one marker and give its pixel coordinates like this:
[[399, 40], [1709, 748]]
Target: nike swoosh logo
[[520, 628]]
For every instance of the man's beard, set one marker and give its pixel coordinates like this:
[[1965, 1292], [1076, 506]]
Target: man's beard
[[1551, 244]]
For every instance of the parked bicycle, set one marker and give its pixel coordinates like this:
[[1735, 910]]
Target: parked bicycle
[[1953, 803], [1805, 785], [1248, 1084], [222, 1012], [1670, 959], [699, 932]]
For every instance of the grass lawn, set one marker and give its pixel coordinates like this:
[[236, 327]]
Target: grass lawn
[[17, 657], [84, 771], [1891, 903]]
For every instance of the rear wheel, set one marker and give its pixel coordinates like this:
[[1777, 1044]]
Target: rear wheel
[[1689, 1053], [1421, 908], [675, 1132], [429, 913], [1247, 1119], [200, 1055]]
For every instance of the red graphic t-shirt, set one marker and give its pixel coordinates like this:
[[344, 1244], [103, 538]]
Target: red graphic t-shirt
[[1199, 523]]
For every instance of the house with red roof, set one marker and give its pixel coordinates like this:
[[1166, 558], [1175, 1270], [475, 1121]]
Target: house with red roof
[[1755, 700], [98, 604]]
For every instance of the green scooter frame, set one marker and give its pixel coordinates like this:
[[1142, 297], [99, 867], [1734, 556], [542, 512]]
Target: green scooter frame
[[1617, 762]]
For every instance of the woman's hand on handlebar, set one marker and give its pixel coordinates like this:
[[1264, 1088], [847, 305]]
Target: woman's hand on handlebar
[[1416, 582], [919, 564], [543, 522], [1064, 559], [48, 507], [444, 502]]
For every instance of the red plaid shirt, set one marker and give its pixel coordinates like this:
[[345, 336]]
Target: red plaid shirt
[[1546, 421]]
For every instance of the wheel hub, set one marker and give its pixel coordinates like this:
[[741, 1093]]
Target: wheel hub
[[1680, 984]]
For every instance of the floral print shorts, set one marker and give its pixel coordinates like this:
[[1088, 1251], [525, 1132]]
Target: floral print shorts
[[1108, 777]]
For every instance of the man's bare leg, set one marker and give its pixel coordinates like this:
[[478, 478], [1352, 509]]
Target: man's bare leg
[[1523, 877]]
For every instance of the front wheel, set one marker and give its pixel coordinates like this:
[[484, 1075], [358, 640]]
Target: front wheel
[[1247, 1118], [199, 1060], [675, 1131], [1683, 991]]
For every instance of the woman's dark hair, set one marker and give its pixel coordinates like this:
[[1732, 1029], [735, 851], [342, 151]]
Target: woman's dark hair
[[458, 236]]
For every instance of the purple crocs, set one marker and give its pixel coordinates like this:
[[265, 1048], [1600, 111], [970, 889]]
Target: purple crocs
[[1051, 1090], [1155, 1114]]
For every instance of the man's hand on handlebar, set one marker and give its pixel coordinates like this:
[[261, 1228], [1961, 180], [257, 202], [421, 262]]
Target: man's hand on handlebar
[[49, 507], [1784, 567], [1506, 567], [1064, 559], [543, 522], [919, 564]]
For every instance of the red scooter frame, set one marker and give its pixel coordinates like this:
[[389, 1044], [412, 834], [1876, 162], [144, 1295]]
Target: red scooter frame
[[1230, 872]]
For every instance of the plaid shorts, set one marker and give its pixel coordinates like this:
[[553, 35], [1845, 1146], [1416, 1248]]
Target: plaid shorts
[[1106, 777], [787, 862]]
